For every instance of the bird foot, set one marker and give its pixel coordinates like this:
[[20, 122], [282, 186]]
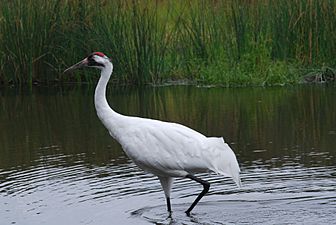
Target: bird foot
[[169, 215]]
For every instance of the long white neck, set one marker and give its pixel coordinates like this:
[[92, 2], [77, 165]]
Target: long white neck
[[105, 113]]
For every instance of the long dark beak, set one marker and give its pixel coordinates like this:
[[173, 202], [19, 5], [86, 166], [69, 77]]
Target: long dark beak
[[81, 64]]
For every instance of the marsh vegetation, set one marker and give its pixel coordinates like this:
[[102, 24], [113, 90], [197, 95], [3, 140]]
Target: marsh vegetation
[[244, 43]]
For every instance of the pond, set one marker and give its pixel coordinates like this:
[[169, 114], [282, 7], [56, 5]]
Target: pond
[[58, 164]]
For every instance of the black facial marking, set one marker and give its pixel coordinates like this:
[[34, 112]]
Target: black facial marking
[[92, 62]]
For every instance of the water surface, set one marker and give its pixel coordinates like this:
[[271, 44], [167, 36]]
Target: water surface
[[58, 165]]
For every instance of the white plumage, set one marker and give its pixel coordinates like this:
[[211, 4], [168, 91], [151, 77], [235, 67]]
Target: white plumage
[[165, 149]]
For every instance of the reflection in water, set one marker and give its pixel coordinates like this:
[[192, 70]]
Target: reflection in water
[[59, 165]]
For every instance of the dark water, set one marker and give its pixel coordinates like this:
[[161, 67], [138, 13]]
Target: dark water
[[58, 165]]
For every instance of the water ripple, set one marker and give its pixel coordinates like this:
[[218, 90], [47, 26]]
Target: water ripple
[[52, 180]]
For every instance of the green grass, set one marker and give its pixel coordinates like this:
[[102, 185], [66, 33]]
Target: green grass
[[232, 43], [133, 34]]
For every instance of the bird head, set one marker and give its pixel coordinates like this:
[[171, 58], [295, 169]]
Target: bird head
[[95, 59]]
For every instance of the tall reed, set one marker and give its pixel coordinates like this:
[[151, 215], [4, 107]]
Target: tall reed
[[136, 37], [24, 41], [233, 42]]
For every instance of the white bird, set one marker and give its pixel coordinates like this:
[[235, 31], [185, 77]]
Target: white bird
[[165, 149]]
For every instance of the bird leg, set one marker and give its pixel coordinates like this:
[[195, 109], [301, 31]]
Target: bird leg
[[206, 187], [168, 204], [166, 183]]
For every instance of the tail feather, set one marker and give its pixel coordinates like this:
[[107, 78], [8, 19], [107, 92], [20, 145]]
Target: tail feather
[[224, 160]]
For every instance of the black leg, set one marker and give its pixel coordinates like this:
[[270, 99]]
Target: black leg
[[168, 204], [206, 187]]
